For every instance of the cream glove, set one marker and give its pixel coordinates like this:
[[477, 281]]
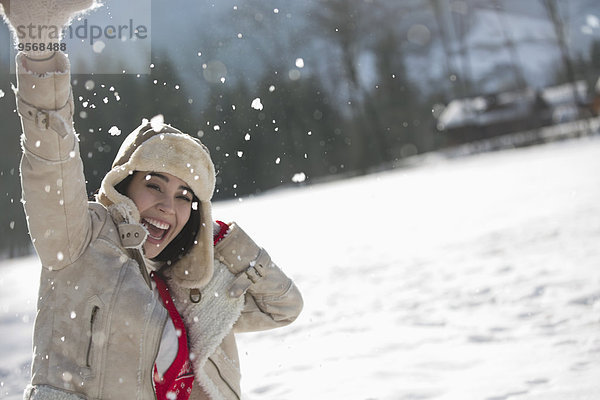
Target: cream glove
[[37, 25], [244, 258]]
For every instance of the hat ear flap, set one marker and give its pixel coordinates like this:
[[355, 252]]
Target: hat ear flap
[[195, 269]]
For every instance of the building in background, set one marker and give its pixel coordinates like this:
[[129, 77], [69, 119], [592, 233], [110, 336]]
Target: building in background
[[527, 110]]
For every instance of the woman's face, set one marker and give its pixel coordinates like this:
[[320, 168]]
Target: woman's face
[[165, 203]]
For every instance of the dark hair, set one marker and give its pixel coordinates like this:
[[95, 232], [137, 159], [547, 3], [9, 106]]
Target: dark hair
[[183, 242]]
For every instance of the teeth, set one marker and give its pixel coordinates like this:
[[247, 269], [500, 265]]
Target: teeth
[[158, 224]]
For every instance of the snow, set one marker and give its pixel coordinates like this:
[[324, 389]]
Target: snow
[[157, 122], [470, 278], [563, 94], [299, 177], [510, 105], [256, 104], [98, 46], [114, 131]]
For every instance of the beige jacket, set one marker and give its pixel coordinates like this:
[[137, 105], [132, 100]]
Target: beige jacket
[[99, 325]]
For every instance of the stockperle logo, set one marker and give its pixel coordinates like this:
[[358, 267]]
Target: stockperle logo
[[112, 39]]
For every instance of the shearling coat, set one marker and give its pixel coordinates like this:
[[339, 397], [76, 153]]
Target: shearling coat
[[99, 324]]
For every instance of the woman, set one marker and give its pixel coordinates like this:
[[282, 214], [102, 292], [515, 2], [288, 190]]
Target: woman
[[140, 291]]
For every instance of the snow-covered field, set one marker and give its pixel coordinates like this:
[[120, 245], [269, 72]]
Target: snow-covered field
[[473, 278]]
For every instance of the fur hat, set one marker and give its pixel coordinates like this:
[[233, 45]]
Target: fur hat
[[156, 147]]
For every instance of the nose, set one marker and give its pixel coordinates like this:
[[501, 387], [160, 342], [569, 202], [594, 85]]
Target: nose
[[166, 204]]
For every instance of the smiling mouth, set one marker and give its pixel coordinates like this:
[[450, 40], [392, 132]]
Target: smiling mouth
[[157, 230]]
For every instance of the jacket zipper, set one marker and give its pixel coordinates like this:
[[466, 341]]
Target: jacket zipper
[[88, 361]]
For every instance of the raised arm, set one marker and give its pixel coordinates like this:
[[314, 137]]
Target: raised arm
[[54, 191]]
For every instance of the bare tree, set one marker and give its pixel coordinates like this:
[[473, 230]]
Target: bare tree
[[510, 44], [561, 34], [345, 24]]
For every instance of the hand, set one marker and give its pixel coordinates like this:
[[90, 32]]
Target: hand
[[237, 250], [244, 258], [36, 24]]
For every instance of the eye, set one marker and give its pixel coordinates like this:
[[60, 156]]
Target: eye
[[153, 186], [185, 196]]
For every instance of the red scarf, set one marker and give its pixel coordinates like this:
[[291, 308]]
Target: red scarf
[[176, 384]]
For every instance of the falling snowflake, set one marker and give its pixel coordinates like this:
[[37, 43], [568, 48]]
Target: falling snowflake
[[1, 93], [299, 63], [294, 74], [157, 122], [67, 376], [299, 177], [171, 395], [114, 131], [256, 104], [98, 46]]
